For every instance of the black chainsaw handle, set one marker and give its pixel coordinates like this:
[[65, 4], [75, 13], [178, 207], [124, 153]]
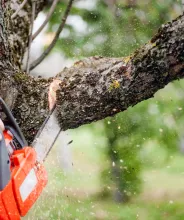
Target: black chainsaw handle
[[11, 122], [4, 163]]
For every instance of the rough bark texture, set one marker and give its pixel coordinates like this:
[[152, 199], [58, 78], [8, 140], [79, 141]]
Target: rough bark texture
[[99, 87], [31, 105], [93, 88], [6, 62], [22, 93], [13, 44]]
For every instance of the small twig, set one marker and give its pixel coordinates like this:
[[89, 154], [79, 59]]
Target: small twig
[[19, 8], [50, 47], [30, 35], [51, 11]]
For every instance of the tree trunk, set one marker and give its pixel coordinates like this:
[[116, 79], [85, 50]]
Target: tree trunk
[[93, 88]]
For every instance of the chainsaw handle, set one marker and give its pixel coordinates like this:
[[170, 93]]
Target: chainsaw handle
[[12, 122], [15, 136], [4, 164]]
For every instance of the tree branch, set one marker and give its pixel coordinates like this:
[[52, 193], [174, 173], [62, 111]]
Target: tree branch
[[18, 10], [97, 87], [51, 11]]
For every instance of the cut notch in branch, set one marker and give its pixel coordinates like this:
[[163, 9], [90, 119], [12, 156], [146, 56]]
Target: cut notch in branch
[[50, 47]]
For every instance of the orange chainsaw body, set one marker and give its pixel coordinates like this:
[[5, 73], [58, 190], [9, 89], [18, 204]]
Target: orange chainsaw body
[[28, 178]]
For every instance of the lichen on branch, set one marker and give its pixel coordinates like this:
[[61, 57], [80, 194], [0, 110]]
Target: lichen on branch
[[99, 87]]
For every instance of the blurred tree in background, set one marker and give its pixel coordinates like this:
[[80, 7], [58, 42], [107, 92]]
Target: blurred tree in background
[[116, 28], [111, 27], [124, 164]]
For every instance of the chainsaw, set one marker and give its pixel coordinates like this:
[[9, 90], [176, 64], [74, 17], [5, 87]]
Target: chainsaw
[[22, 173]]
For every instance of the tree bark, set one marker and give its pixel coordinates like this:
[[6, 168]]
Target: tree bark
[[93, 88], [98, 87]]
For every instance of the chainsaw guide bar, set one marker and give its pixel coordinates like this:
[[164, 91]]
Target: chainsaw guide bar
[[46, 136]]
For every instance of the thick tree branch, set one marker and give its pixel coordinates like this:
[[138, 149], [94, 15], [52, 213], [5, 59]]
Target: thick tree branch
[[97, 87]]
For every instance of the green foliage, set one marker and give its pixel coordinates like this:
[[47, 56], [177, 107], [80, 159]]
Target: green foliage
[[122, 150], [69, 196], [110, 32], [158, 121]]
